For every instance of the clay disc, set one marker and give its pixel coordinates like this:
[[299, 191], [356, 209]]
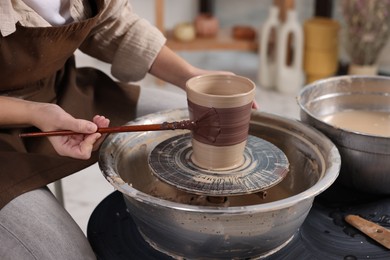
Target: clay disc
[[265, 165]]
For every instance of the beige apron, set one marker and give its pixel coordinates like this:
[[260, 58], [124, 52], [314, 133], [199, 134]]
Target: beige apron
[[37, 64]]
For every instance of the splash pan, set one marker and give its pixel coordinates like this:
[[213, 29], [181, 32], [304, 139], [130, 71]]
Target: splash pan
[[185, 225]]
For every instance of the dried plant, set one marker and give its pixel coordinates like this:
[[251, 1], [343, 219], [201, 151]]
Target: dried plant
[[367, 29]]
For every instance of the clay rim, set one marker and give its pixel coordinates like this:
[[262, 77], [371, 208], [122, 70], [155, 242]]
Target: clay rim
[[223, 100]]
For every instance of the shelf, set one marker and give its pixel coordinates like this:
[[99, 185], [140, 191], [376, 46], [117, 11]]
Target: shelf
[[223, 41]]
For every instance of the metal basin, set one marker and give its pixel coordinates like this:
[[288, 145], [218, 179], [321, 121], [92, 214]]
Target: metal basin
[[244, 227], [365, 157]]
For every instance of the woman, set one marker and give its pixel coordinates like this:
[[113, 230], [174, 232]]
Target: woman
[[40, 88]]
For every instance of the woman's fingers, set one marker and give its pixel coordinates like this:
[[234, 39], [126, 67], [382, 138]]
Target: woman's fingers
[[100, 121], [87, 145]]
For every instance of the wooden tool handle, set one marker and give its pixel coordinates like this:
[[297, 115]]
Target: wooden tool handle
[[185, 124], [371, 229], [209, 119]]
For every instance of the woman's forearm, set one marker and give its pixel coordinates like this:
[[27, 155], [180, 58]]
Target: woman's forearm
[[14, 111], [171, 68]]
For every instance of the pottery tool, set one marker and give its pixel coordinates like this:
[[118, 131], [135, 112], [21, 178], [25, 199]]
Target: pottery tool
[[207, 124], [371, 229]]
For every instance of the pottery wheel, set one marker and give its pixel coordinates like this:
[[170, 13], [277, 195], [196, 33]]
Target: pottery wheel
[[265, 165]]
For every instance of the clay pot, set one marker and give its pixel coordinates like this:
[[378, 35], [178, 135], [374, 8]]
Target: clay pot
[[206, 25], [369, 70], [241, 32], [231, 97], [184, 32]]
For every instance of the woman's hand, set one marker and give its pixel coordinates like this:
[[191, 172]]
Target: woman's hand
[[79, 146], [50, 117]]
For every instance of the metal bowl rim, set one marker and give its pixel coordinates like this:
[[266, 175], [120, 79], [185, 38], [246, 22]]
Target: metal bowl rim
[[318, 83], [322, 184]]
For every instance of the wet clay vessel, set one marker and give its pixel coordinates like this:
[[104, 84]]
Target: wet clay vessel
[[232, 97]]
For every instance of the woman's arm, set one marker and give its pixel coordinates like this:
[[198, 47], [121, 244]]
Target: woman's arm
[[16, 111], [47, 117], [171, 68]]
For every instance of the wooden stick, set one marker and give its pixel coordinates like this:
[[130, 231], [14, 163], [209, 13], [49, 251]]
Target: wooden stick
[[371, 229], [185, 124], [209, 120]]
